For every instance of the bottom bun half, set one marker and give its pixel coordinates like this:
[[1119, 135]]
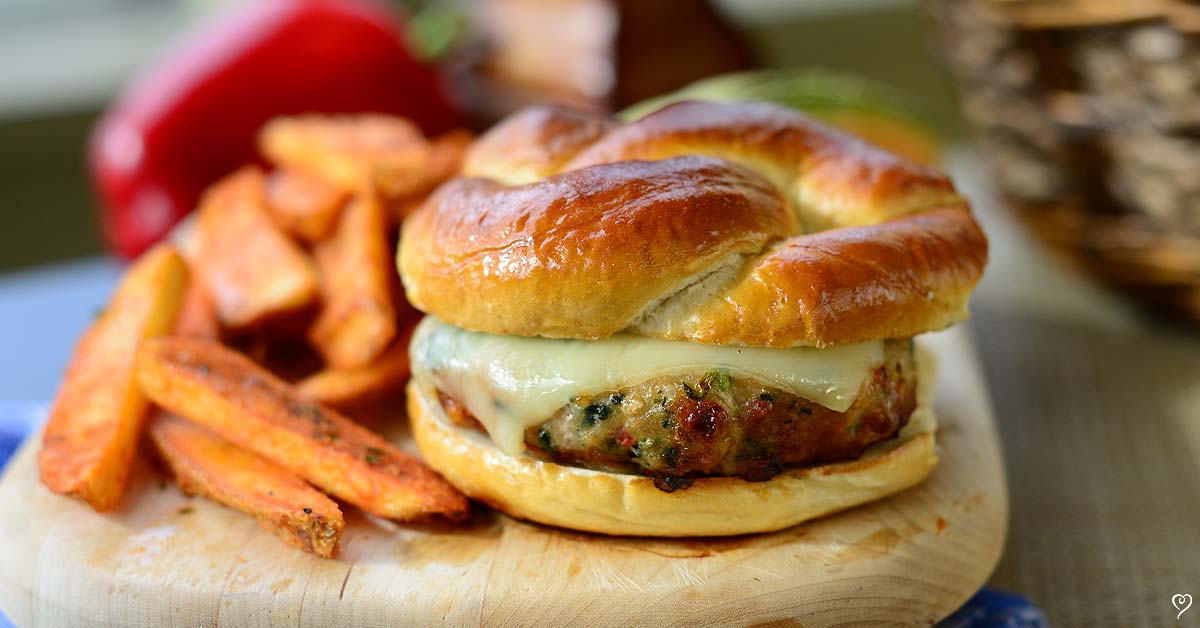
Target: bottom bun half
[[611, 503]]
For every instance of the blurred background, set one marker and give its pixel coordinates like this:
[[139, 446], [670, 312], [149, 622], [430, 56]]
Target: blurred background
[[63, 61], [1072, 125]]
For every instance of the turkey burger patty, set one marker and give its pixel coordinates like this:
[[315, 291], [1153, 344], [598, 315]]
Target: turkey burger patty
[[666, 409]]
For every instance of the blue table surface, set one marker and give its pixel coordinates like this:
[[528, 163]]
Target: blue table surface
[[43, 311]]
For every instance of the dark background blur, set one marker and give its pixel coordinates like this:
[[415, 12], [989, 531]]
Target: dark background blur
[[62, 60]]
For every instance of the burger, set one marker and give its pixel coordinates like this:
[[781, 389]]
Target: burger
[[697, 323]]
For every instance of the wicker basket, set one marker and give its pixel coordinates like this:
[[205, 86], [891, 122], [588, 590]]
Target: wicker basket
[[1088, 112]]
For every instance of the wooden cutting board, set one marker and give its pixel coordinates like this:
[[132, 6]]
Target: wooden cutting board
[[167, 560]]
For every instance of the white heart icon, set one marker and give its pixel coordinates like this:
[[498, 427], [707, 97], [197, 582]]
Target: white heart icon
[[1181, 602]]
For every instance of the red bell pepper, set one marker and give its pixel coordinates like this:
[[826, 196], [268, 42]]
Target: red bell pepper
[[193, 116]]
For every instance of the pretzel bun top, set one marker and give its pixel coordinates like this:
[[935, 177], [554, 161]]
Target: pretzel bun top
[[723, 223]]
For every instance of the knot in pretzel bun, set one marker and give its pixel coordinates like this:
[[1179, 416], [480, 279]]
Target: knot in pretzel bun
[[723, 223]]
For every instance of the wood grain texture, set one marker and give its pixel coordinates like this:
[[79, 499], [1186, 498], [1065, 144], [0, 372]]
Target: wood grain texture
[[164, 560]]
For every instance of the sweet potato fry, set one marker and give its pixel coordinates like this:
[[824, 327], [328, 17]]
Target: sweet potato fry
[[406, 190], [252, 271], [196, 318], [412, 178], [347, 150], [89, 442], [354, 388], [358, 319], [448, 152], [205, 464], [303, 205], [383, 152], [224, 391]]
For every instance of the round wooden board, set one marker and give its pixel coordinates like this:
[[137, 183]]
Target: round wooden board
[[167, 560]]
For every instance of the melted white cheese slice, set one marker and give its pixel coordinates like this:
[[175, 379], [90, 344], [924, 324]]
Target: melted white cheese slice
[[511, 383]]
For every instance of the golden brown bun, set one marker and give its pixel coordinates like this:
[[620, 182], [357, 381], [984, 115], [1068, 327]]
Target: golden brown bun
[[612, 503], [723, 223]]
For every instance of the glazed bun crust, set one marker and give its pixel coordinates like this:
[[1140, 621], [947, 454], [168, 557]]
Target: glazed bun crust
[[723, 223], [610, 503], [556, 271]]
